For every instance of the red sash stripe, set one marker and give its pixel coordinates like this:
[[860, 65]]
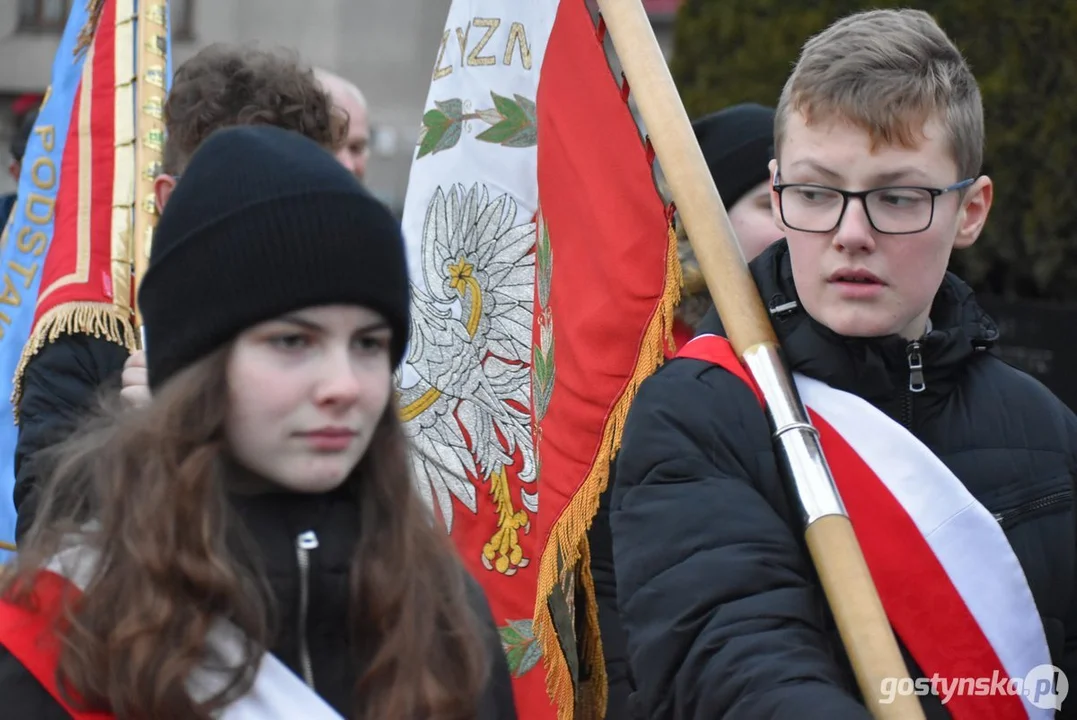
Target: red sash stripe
[[31, 637]]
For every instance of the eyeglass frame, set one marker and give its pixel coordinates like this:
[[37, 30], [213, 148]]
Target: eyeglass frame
[[861, 195]]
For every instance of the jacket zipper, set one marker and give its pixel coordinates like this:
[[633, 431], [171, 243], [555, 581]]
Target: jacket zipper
[[917, 385], [1007, 518], [916, 379], [304, 543]]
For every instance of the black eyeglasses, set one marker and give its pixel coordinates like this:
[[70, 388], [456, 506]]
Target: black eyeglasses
[[897, 210]]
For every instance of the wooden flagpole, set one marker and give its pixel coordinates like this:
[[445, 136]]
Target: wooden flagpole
[[152, 49], [862, 622]]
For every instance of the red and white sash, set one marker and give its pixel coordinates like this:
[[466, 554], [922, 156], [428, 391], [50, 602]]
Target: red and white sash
[[277, 694], [948, 578]]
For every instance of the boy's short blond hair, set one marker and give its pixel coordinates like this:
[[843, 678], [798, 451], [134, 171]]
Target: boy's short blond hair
[[889, 72]]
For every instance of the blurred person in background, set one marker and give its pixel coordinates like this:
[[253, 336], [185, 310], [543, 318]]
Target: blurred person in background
[[355, 152], [18, 149], [737, 143]]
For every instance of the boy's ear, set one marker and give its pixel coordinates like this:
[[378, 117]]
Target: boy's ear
[[974, 210], [775, 209]]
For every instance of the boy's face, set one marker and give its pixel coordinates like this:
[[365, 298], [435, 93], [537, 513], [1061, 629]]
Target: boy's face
[[858, 281]]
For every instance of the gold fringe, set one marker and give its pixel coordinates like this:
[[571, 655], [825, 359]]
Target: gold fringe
[[94, 8], [568, 536], [101, 320], [7, 546], [592, 706]]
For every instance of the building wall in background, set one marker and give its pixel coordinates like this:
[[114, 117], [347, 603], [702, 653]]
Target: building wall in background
[[387, 48]]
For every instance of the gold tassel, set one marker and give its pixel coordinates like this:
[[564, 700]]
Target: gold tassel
[[101, 320], [568, 536]]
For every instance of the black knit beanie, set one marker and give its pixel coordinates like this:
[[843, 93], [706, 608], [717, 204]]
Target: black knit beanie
[[737, 143], [263, 222]]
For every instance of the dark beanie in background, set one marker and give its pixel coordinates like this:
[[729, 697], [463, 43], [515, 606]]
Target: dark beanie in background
[[21, 138], [737, 143], [265, 222]]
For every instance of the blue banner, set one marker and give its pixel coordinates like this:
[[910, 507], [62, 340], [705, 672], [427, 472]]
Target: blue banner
[[26, 241]]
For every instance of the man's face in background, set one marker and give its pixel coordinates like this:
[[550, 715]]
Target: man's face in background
[[356, 149], [355, 152]]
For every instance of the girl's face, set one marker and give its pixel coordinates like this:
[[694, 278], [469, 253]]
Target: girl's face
[[753, 221], [306, 392]]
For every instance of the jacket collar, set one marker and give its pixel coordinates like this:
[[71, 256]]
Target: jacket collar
[[875, 368]]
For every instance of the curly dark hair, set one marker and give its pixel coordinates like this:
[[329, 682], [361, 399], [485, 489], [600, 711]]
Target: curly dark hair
[[227, 84]]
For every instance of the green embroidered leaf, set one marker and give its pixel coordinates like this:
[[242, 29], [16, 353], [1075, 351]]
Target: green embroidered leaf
[[510, 636], [530, 659], [490, 116], [521, 650], [515, 656], [430, 139], [542, 401], [526, 137], [528, 108], [543, 368], [529, 135], [509, 109], [499, 134], [544, 288], [544, 247], [453, 109], [441, 127], [435, 123], [518, 128], [543, 373], [545, 269], [450, 137]]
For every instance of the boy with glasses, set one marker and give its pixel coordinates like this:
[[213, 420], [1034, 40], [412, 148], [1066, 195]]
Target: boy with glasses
[[875, 181]]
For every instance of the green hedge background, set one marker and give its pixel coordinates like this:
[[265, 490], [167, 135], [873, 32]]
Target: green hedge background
[[1025, 59]]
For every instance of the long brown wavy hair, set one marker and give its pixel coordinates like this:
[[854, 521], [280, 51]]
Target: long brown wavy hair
[[152, 480]]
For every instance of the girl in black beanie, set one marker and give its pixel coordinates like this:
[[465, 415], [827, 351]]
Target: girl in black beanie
[[250, 543]]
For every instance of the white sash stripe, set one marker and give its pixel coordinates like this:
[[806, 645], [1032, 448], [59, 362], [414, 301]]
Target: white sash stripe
[[965, 537], [277, 693]]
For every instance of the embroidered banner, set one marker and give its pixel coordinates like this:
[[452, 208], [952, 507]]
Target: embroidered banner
[[26, 239], [544, 276], [87, 283]]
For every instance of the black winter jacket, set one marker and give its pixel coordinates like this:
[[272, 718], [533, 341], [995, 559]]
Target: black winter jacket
[[276, 522], [59, 386], [722, 611]]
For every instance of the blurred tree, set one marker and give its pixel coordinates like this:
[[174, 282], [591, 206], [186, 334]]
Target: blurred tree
[[1025, 58]]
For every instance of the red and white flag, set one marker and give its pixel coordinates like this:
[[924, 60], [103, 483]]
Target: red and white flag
[[545, 274]]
